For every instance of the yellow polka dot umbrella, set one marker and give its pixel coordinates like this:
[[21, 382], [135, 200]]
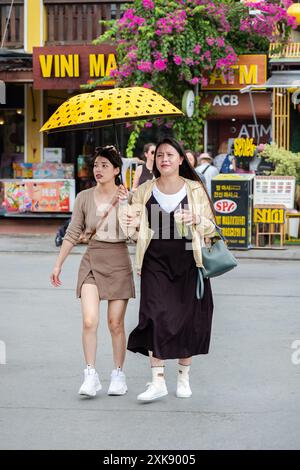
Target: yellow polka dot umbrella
[[109, 107]]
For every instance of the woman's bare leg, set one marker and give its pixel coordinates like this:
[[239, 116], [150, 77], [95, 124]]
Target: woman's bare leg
[[90, 316], [115, 317]]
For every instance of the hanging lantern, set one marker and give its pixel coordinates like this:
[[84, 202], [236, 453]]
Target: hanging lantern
[[294, 10]]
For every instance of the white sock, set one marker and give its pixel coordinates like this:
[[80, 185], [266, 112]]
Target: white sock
[[183, 371], [158, 372]]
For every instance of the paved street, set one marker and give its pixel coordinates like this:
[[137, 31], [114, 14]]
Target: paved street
[[245, 392]]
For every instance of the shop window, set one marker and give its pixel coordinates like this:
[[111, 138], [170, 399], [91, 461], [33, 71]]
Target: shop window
[[11, 140]]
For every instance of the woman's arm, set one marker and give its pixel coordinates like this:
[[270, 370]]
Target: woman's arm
[[136, 178], [71, 238], [64, 252]]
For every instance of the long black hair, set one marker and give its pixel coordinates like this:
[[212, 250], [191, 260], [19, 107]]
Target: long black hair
[[113, 156], [185, 170]]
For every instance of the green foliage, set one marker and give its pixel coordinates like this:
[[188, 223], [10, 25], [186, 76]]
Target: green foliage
[[172, 46], [286, 163]]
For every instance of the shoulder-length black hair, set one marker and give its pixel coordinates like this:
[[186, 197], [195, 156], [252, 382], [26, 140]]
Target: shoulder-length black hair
[[185, 170], [113, 156]]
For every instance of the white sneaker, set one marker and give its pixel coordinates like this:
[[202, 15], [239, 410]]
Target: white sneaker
[[183, 388], [155, 390], [117, 383], [91, 384]]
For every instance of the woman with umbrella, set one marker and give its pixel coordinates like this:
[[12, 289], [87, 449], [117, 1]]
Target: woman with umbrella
[[173, 324], [105, 271]]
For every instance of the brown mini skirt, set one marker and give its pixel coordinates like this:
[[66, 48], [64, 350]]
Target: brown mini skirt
[[108, 266]]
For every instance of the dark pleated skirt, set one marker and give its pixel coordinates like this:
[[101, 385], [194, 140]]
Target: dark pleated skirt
[[108, 266], [172, 322]]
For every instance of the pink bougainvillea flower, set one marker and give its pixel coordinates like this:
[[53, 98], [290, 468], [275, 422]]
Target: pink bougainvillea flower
[[160, 64], [148, 124], [145, 66], [197, 49], [220, 42], [189, 61], [147, 85], [210, 41], [148, 4], [194, 80], [177, 59]]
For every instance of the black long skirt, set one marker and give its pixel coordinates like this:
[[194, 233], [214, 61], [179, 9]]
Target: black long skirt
[[173, 323]]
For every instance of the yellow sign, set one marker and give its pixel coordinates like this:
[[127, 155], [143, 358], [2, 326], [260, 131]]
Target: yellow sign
[[69, 67], [268, 216], [244, 147], [249, 70], [61, 65]]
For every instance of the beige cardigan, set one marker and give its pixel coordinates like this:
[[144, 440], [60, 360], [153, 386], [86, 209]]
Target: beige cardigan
[[86, 218], [139, 229]]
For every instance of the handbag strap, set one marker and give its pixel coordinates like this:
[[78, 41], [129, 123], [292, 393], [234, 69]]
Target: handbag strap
[[219, 230], [200, 285]]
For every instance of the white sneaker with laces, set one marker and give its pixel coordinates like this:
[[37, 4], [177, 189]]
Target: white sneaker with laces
[[155, 390], [91, 384], [117, 384]]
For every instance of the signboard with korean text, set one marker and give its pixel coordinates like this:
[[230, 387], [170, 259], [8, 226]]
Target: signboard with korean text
[[243, 147], [274, 190], [269, 215], [232, 198], [250, 69]]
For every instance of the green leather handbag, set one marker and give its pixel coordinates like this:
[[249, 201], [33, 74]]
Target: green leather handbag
[[217, 260]]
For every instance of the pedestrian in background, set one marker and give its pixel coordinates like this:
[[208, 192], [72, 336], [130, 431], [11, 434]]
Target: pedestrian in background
[[173, 323], [192, 158], [144, 172], [224, 162], [207, 169], [105, 271]]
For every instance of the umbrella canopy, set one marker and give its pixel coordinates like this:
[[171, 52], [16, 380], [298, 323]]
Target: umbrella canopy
[[108, 107]]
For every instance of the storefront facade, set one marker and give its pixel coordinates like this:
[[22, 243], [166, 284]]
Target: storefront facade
[[230, 115], [38, 74]]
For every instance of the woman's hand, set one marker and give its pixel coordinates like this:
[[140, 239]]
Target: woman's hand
[[127, 219], [54, 278], [188, 218]]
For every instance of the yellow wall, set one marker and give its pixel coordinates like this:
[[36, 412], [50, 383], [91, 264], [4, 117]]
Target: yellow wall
[[34, 27], [35, 31]]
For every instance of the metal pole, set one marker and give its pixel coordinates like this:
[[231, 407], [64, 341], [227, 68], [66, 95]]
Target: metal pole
[[116, 136], [254, 116]]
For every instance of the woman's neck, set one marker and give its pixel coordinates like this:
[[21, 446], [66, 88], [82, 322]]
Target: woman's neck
[[149, 165], [170, 184], [106, 188]]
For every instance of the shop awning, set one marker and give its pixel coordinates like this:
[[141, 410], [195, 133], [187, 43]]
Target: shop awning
[[280, 79], [15, 66]]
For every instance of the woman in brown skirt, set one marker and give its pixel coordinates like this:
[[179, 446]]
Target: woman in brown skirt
[[105, 271], [171, 217]]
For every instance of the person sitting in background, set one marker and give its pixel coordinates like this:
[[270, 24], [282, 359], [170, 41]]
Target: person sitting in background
[[207, 169], [144, 172]]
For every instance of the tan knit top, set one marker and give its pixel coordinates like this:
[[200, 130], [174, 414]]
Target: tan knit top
[[87, 217]]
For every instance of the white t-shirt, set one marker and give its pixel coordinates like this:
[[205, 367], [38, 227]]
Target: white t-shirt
[[168, 202], [209, 174]]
